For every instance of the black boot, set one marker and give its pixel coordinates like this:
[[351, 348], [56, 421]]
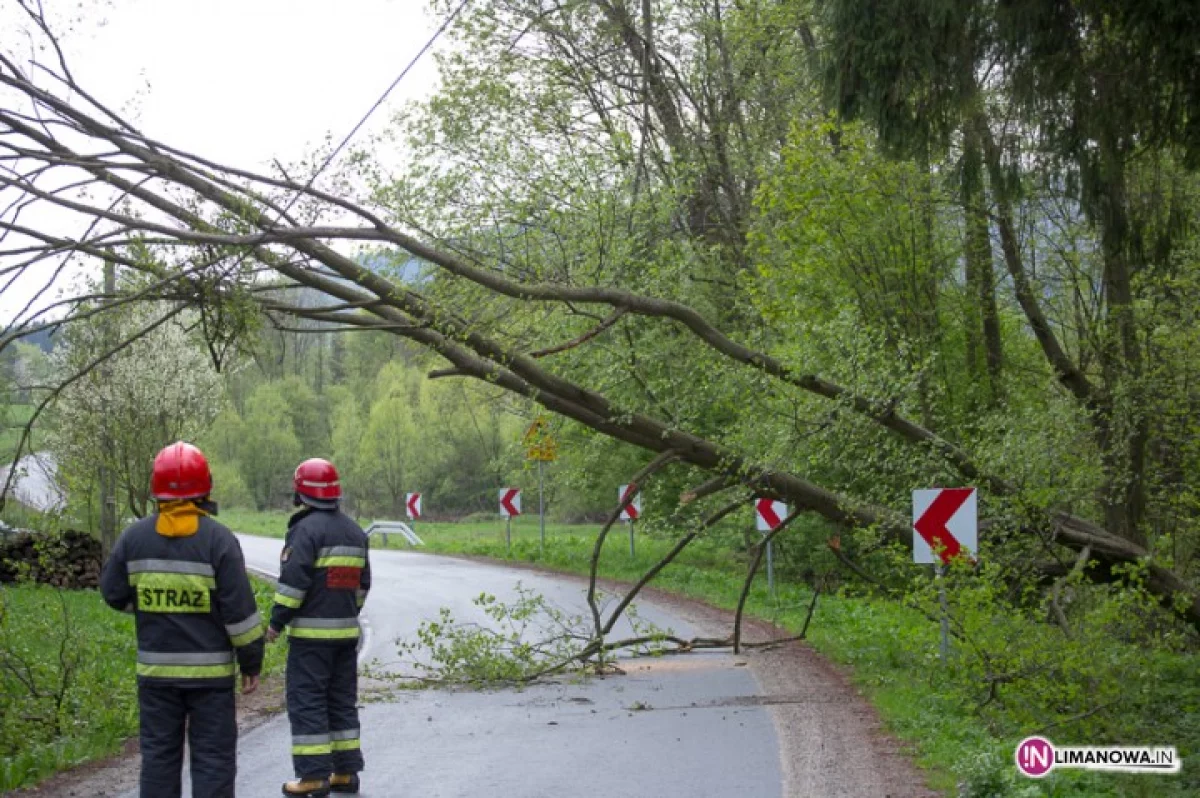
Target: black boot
[[344, 782]]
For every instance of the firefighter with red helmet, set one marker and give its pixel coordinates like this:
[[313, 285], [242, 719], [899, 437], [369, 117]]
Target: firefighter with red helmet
[[183, 576], [324, 577]]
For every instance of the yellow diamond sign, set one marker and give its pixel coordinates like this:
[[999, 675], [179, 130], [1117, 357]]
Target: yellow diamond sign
[[539, 443]]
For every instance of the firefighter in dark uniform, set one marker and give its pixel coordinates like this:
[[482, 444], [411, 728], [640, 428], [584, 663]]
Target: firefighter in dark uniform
[[324, 577], [182, 575]]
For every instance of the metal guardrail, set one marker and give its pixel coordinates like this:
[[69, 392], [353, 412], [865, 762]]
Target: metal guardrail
[[394, 527]]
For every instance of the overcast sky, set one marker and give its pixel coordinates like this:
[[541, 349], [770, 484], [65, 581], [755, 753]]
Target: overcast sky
[[245, 81]]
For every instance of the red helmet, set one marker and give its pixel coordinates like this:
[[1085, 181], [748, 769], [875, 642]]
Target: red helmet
[[318, 479], [180, 472]]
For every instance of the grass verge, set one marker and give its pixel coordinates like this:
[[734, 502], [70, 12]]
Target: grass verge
[[67, 682]]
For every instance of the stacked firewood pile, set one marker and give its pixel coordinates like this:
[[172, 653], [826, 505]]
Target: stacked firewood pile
[[71, 559]]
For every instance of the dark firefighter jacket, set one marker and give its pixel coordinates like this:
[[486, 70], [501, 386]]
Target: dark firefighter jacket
[[193, 602], [324, 576]]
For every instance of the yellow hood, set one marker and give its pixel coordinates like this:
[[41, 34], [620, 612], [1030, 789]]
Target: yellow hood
[[178, 519]]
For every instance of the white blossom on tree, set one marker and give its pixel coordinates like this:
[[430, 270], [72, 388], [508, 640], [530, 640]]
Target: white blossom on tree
[[160, 388]]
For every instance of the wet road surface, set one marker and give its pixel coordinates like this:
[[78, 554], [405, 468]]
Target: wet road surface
[[35, 484], [686, 726]]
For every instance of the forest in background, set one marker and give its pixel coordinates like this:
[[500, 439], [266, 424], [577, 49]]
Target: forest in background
[[292, 392]]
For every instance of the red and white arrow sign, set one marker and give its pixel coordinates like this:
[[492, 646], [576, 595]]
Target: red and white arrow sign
[[510, 502], [413, 505], [769, 514], [632, 511], [945, 520]]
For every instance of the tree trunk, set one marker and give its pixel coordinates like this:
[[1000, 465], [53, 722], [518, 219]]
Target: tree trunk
[[1123, 431], [108, 492], [319, 379], [983, 319]]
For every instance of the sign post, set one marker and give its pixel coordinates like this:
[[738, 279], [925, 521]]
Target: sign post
[[541, 446], [768, 515], [510, 505], [945, 526], [542, 505], [632, 511], [944, 649]]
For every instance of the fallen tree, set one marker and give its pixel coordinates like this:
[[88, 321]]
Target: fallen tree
[[202, 235]]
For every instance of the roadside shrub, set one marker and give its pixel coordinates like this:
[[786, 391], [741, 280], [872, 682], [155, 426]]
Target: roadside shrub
[[66, 680]]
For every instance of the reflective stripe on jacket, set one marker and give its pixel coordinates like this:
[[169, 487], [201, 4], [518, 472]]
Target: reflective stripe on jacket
[[197, 621], [324, 577]]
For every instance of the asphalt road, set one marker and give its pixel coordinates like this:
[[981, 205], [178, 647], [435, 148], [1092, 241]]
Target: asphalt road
[[684, 726], [409, 587], [35, 482]]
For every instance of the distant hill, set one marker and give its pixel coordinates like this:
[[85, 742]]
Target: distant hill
[[392, 265], [43, 339]]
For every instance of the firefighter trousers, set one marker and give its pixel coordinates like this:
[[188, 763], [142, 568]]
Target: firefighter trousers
[[208, 716], [322, 698]]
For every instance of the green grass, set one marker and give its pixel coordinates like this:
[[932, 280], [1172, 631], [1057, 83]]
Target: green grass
[[271, 524], [275, 654], [45, 633], [889, 650], [12, 421]]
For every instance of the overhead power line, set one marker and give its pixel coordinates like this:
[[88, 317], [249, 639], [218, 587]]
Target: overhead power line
[[382, 98], [365, 117]]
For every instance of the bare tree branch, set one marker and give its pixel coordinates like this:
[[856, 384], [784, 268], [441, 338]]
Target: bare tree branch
[[666, 560], [752, 571], [660, 461], [582, 339]]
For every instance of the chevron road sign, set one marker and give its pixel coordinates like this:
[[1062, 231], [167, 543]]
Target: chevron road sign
[[510, 502], [945, 520], [633, 511], [945, 526], [769, 514]]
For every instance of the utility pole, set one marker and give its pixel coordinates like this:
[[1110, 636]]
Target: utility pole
[[108, 500], [320, 378], [542, 503]]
